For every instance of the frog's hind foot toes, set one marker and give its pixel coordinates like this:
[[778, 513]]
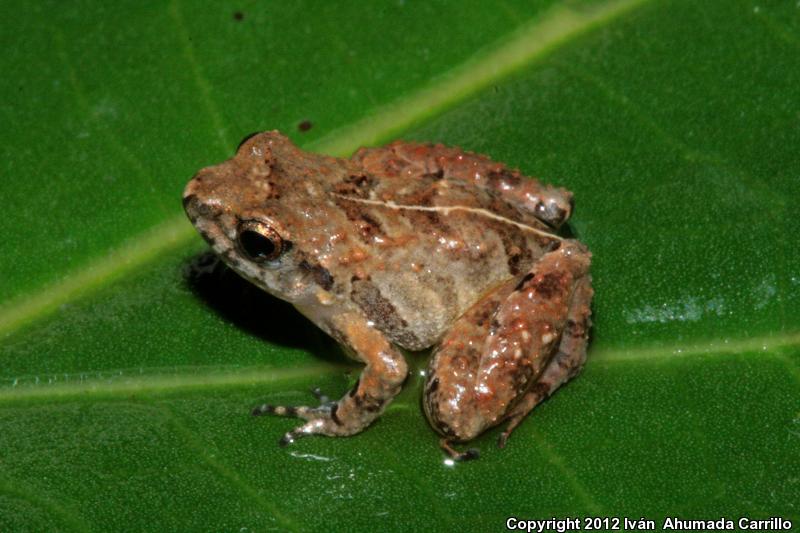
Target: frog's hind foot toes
[[521, 411], [502, 440], [455, 455]]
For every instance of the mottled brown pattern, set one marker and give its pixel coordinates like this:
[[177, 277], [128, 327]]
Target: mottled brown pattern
[[319, 273], [409, 245], [577, 329], [358, 185], [381, 312], [366, 225], [516, 347], [549, 284], [274, 191], [504, 178], [517, 249]]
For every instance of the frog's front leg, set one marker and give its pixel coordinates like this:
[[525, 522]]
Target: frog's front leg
[[494, 361], [380, 381]]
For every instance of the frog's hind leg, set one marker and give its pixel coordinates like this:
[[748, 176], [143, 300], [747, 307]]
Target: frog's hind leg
[[489, 366], [565, 364]]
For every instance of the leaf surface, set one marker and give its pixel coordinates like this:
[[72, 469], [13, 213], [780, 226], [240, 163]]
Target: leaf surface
[[126, 383]]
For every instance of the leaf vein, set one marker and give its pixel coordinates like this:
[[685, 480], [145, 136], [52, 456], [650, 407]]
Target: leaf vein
[[202, 81], [68, 517], [195, 443], [572, 479]]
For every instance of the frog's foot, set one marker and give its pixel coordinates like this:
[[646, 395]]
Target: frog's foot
[[564, 365], [378, 384], [316, 416], [455, 455]]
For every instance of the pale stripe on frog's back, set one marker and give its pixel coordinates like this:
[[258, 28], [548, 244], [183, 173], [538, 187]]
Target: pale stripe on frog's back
[[413, 294]]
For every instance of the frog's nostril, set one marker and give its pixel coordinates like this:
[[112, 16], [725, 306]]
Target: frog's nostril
[[188, 200], [196, 208], [190, 206]]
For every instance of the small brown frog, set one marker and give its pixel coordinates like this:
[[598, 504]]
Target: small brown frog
[[410, 245]]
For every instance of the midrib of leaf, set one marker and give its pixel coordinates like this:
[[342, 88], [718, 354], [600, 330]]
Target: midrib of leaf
[[531, 42], [122, 385], [767, 344]]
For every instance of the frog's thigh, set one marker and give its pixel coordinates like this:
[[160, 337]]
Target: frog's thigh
[[380, 381], [565, 364], [499, 349]]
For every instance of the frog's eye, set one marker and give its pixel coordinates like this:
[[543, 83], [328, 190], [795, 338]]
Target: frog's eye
[[258, 241]]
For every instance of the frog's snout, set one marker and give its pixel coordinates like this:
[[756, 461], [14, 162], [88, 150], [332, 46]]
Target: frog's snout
[[192, 206], [195, 208], [196, 201]]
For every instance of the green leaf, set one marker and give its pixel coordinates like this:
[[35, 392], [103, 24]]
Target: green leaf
[[126, 382]]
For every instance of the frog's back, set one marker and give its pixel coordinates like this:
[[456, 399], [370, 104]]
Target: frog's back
[[429, 248]]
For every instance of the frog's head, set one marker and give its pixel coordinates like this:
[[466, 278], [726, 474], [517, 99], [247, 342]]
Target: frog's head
[[249, 211]]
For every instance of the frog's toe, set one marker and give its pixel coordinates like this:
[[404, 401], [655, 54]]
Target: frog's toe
[[306, 413], [317, 426], [309, 428], [468, 455], [502, 440]]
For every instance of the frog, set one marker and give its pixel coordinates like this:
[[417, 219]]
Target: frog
[[407, 247]]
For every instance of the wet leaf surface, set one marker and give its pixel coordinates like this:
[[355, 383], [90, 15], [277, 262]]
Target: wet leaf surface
[[126, 380]]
